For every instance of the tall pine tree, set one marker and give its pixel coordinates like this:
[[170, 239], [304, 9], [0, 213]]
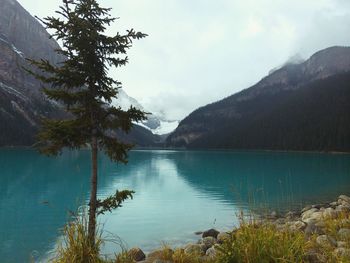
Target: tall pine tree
[[82, 85]]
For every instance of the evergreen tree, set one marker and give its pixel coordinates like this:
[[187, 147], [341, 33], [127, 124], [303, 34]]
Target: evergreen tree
[[81, 84]]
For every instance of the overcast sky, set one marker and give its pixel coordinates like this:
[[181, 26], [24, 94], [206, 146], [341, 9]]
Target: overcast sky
[[200, 51]]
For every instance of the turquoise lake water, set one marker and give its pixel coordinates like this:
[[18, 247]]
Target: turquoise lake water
[[177, 193]]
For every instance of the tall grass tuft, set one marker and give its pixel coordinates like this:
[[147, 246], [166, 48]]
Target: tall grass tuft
[[75, 246], [255, 243]]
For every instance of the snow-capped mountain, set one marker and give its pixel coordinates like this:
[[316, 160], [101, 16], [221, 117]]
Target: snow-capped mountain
[[157, 123]]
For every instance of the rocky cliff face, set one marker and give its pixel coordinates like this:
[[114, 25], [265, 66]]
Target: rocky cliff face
[[21, 102], [235, 116]]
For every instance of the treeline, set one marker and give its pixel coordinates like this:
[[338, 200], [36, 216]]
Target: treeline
[[314, 117]]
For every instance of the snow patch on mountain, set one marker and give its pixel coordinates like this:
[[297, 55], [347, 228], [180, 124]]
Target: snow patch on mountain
[[20, 53], [156, 123]]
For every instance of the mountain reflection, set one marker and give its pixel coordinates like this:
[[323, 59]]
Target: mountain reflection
[[177, 192]]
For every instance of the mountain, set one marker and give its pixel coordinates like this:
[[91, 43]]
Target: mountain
[[157, 123], [301, 106], [22, 104]]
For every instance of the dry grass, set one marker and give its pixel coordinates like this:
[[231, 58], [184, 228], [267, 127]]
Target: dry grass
[[75, 246], [262, 243], [252, 242]]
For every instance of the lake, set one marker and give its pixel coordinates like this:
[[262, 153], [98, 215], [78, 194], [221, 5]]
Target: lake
[[177, 193]]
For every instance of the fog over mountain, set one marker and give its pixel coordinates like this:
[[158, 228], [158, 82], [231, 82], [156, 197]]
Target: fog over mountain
[[300, 106], [200, 51], [156, 122]]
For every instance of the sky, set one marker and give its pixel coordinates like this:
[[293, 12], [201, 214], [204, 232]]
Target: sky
[[201, 51]]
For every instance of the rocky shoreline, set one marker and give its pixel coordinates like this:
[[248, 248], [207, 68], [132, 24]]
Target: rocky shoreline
[[312, 221]]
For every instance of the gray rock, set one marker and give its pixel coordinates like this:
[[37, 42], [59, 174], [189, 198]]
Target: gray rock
[[211, 252], [321, 224], [330, 213], [344, 233], [208, 242], [137, 254], [314, 216], [291, 215], [280, 221], [210, 233], [156, 254], [197, 249], [308, 213], [342, 244], [314, 257], [344, 200], [333, 204], [342, 252], [343, 208], [222, 236], [306, 208], [324, 240], [311, 229], [297, 226], [273, 214], [345, 221], [319, 206]]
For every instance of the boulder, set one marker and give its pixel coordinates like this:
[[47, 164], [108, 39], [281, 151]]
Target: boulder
[[325, 241], [137, 254], [333, 204], [210, 233], [308, 213], [291, 215], [306, 208], [330, 213], [342, 208], [344, 233], [319, 206], [211, 252], [297, 226], [344, 200], [197, 249], [159, 253], [342, 252], [222, 236], [208, 242], [314, 257], [311, 229], [342, 244]]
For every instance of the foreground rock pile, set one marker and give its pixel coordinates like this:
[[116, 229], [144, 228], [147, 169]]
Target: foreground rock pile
[[326, 225]]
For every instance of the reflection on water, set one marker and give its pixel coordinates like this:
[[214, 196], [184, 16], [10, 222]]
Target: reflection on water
[[177, 193]]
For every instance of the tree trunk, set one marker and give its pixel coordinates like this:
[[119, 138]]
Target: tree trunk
[[93, 195]]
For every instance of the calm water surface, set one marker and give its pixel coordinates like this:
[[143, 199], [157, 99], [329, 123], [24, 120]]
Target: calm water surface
[[177, 193]]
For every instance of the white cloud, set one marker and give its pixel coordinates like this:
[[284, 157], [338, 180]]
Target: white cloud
[[200, 51]]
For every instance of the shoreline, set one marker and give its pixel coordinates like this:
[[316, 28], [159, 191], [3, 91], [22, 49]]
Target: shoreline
[[312, 222], [136, 148]]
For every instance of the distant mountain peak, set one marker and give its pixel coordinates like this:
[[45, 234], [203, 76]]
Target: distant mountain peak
[[156, 123]]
